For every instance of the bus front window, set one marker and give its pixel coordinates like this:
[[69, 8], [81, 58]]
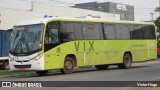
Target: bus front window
[[26, 39]]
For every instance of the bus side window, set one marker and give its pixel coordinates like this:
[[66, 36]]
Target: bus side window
[[67, 31], [92, 31], [122, 32], [149, 32], [110, 31], [136, 32]]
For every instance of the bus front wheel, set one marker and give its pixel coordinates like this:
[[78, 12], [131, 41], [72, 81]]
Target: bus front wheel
[[68, 65], [127, 62]]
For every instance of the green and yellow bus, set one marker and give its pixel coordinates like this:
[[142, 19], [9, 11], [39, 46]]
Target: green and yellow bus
[[66, 43]]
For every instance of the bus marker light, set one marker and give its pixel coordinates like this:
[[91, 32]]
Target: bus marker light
[[38, 57]]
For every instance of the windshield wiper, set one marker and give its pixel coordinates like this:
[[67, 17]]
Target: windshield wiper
[[33, 42], [17, 34], [19, 42], [26, 44], [16, 45], [24, 41]]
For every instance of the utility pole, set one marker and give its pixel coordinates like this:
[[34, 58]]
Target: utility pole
[[0, 18], [159, 7], [31, 5], [32, 2], [151, 16], [114, 12]]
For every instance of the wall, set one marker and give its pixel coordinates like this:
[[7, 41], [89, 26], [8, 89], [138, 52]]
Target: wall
[[9, 17], [126, 11]]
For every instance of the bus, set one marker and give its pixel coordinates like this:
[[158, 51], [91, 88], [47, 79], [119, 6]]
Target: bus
[[65, 43]]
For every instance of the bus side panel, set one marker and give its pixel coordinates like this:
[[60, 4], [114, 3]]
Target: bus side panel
[[137, 50], [5, 45], [96, 52], [79, 49], [143, 50], [116, 50], [152, 49], [104, 52], [52, 59], [0, 44]]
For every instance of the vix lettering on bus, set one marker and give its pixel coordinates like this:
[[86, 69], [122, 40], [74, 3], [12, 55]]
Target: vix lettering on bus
[[77, 46]]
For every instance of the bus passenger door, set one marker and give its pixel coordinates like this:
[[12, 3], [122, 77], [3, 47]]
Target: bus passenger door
[[51, 40]]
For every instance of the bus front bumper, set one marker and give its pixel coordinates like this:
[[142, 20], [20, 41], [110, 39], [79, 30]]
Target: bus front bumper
[[27, 65]]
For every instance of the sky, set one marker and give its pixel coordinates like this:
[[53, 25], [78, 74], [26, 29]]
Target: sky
[[143, 8]]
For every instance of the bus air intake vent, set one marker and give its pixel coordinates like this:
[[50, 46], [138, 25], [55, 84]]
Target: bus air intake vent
[[22, 66]]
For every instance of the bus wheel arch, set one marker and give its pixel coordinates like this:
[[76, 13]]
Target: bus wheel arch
[[73, 57], [127, 61], [69, 64]]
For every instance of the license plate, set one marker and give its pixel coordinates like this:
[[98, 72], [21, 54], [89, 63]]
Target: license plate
[[22, 69]]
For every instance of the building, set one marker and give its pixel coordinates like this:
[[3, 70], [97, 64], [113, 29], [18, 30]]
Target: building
[[126, 11], [8, 17]]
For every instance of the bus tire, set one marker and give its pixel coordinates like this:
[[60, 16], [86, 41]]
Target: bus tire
[[41, 73], [5, 65], [101, 67], [127, 62], [68, 65]]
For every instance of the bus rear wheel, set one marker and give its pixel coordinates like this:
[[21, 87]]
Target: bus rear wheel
[[41, 73], [127, 62], [101, 67], [68, 65]]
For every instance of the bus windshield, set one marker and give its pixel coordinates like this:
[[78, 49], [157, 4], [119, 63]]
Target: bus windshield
[[26, 39]]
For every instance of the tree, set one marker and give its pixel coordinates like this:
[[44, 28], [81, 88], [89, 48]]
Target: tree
[[157, 23], [157, 9]]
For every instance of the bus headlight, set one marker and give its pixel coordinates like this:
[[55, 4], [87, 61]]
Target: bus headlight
[[38, 57]]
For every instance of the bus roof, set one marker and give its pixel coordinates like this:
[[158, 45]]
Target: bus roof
[[45, 20]]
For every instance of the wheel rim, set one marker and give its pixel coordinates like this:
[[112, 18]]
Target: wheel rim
[[6, 65], [128, 61], [68, 65]]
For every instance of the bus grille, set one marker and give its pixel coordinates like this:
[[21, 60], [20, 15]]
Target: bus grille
[[22, 66], [23, 61]]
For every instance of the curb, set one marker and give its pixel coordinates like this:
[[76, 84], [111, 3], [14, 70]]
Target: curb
[[156, 61], [6, 76]]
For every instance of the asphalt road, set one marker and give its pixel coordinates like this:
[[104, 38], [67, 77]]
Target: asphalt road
[[146, 71]]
